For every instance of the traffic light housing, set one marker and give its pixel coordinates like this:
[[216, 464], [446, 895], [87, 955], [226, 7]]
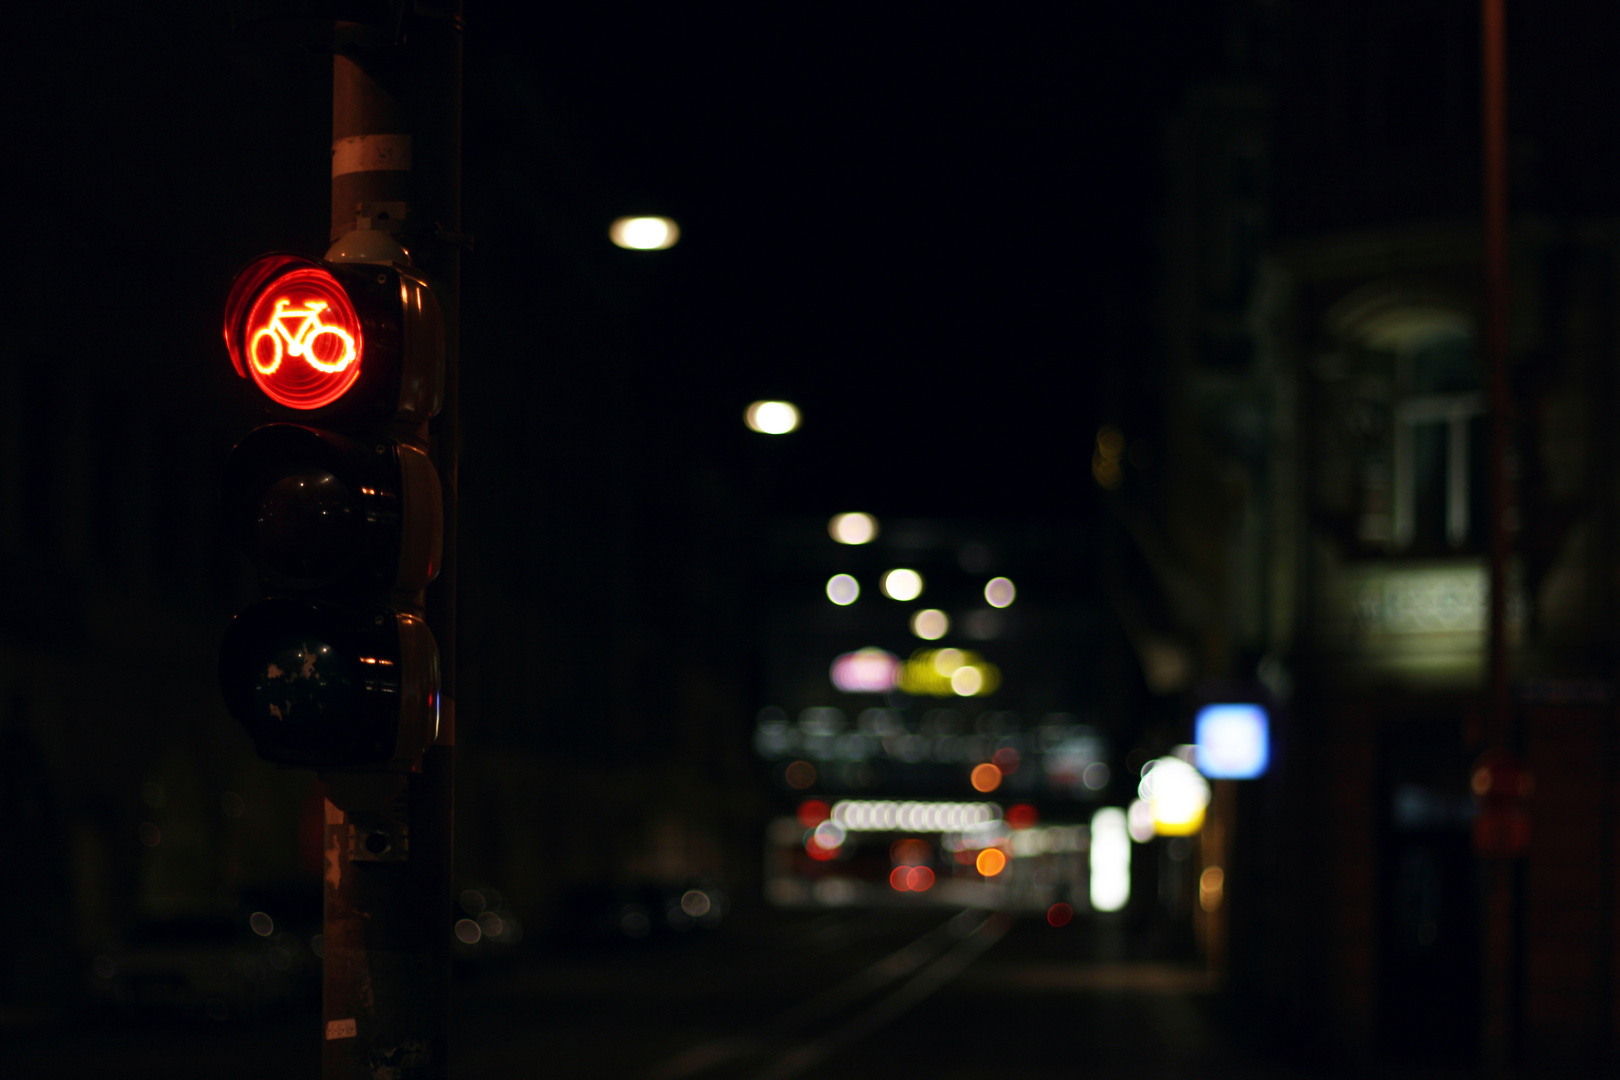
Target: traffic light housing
[[336, 668]]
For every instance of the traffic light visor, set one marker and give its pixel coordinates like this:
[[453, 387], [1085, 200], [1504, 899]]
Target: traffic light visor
[[291, 327]]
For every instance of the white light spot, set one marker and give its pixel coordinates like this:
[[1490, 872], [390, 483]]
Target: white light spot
[[999, 592], [772, 417], [853, 528], [930, 624], [644, 233], [843, 589], [902, 585]]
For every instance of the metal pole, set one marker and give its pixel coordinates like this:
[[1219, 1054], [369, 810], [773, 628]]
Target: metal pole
[[1496, 1045], [396, 137]]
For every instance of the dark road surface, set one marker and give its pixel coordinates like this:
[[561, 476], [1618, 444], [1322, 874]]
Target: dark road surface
[[848, 995]]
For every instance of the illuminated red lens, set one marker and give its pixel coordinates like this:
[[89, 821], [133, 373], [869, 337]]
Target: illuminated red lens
[[301, 339], [1059, 914], [920, 879]]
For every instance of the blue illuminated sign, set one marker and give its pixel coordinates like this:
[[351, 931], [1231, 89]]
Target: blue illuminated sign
[[1234, 741]]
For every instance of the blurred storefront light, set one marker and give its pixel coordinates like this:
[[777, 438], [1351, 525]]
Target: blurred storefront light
[[1233, 741], [866, 671], [1176, 794], [1110, 860]]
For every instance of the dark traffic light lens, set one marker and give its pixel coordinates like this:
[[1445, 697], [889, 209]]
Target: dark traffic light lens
[[306, 528], [302, 690]]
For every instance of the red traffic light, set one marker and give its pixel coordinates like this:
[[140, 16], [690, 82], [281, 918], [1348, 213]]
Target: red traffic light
[[303, 341], [363, 339]]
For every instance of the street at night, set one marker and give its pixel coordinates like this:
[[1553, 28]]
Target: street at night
[[635, 542]]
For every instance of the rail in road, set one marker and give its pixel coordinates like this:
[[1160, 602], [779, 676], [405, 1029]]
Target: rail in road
[[806, 1034]]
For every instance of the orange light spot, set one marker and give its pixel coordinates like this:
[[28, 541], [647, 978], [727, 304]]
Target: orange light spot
[[1059, 914], [990, 862], [813, 812], [1021, 816], [919, 878], [985, 777], [900, 879]]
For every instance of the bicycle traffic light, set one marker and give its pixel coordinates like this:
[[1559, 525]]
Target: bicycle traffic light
[[336, 668]]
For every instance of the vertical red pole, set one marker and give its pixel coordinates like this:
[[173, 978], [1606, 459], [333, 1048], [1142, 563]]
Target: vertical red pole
[[1496, 1045]]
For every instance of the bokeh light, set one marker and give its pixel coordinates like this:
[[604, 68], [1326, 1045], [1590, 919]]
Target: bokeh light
[[999, 592], [1059, 914], [644, 233], [990, 862], [902, 584], [1176, 794], [1110, 860], [843, 590], [930, 624], [800, 775], [772, 417], [920, 878], [262, 924], [1211, 887], [1021, 816], [985, 777], [967, 681], [853, 528], [813, 812], [866, 671]]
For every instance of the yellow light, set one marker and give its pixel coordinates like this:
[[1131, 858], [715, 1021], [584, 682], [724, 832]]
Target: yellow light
[[999, 592], [966, 681], [644, 233], [853, 528], [902, 584], [772, 417], [930, 624], [931, 671], [991, 861], [985, 777], [1177, 795]]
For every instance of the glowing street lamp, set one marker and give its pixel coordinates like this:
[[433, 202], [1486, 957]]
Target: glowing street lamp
[[644, 233], [772, 417]]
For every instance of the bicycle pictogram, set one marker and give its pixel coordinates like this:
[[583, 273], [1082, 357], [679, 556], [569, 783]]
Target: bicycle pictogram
[[301, 341]]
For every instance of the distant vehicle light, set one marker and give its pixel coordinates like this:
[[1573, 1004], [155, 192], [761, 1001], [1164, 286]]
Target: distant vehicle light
[[999, 592], [853, 528], [990, 862], [1233, 741], [902, 584], [644, 233], [772, 417], [985, 778]]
